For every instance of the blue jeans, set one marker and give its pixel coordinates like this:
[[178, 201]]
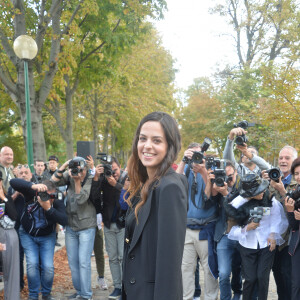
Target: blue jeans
[[226, 250], [39, 252], [80, 246]]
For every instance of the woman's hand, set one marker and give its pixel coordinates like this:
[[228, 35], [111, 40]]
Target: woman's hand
[[289, 204]]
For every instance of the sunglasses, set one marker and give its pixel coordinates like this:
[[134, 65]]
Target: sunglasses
[[21, 166]]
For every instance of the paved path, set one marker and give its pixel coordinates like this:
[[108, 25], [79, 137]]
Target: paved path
[[103, 295]]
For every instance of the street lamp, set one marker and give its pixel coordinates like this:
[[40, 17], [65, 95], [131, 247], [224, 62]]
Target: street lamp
[[26, 49]]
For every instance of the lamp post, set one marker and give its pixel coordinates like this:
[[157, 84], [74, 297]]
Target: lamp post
[[26, 49]]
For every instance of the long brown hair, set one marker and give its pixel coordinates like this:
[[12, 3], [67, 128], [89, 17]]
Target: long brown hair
[[139, 182]]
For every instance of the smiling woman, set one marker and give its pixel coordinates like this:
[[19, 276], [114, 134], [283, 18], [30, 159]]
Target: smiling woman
[[156, 218]]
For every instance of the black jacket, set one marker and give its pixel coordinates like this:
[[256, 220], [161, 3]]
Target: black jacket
[[110, 198], [295, 238], [57, 213], [152, 259]]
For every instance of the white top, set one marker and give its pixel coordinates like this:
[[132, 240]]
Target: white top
[[276, 224]]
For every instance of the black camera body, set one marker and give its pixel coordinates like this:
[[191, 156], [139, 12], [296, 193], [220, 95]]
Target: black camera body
[[258, 212], [295, 195], [198, 156], [274, 174], [75, 163], [106, 163], [242, 139], [45, 196], [220, 177]]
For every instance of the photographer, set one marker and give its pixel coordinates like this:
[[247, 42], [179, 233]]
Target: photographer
[[260, 223], [105, 193], [37, 233], [292, 204], [251, 162], [229, 259], [282, 262], [80, 232], [201, 218]]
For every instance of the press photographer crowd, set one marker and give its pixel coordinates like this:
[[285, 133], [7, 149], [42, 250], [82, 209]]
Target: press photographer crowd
[[158, 221]]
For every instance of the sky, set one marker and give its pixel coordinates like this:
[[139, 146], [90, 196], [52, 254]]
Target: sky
[[197, 40]]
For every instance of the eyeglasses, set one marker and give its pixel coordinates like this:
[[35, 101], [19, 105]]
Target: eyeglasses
[[21, 166]]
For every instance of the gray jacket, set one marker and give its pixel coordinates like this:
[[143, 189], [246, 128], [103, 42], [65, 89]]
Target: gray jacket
[[7, 175], [80, 210], [261, 164]]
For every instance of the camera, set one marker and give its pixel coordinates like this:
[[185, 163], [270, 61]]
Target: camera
[[198, 156], [274, 174], [212, 163], [258, 212], [75, 163], [45, 196], [295, 195], [106, 163], [220, 177], [242, 139]]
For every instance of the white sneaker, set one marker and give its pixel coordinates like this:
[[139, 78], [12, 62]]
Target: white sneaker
[[102, 283], [196, 298]]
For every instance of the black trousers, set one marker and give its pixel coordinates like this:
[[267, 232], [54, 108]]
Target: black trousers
[[296, 274], [256, 264], [282, 273]]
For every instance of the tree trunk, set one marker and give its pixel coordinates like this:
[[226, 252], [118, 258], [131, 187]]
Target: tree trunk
[[69, 126], [105, 139]]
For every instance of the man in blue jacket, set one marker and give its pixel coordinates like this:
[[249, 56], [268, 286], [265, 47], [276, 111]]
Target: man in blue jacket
[[37, 233], [201, 219]]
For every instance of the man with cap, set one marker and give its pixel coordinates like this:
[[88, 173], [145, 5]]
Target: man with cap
[[52, 166], [260, 222]]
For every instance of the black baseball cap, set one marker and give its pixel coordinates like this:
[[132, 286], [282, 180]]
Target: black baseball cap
[[53, 157]]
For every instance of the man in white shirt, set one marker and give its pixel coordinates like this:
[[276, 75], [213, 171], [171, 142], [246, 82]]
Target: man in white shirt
[[259, 235]]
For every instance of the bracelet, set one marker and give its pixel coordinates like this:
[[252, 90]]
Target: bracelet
[[60, 171]]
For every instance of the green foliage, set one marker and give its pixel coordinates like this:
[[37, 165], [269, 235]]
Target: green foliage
[[142, 83]]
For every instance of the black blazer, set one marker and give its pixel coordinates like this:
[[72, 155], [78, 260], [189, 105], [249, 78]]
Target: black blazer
[[152, 263]]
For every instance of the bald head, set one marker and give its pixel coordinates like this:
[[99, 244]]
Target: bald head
[[7, 156]]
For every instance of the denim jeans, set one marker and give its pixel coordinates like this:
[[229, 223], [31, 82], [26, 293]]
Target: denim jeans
[[80, 246], [39, 252], [114, 244], [226, 250]]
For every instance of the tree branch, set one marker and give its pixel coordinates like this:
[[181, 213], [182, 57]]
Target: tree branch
[[9, 85], [66, 29]]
